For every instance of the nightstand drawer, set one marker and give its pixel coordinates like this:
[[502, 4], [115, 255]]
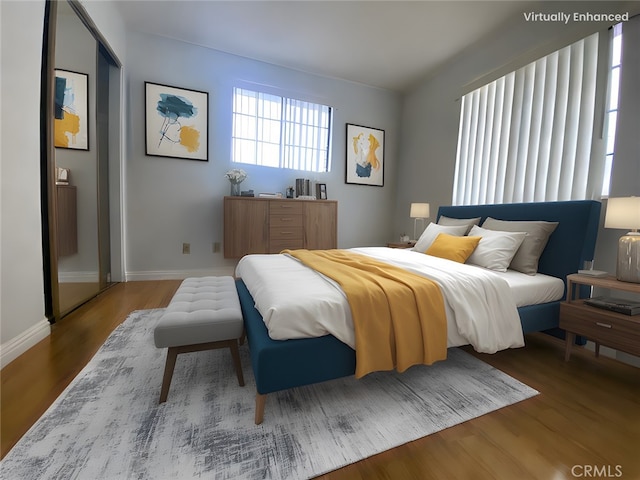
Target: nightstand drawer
[[601, 326], [612, 329]]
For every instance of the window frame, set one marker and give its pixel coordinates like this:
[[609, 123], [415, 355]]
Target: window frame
[[615, 64], [308, 123]]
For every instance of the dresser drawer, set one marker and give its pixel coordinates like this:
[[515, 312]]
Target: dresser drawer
[[284, 220], [285, 233], [277, 245], [286, 207]]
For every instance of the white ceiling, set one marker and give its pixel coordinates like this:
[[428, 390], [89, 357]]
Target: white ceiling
[[389, 44]]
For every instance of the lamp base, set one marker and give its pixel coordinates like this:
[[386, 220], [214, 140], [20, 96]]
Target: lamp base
[[628, 269], [415, 228]]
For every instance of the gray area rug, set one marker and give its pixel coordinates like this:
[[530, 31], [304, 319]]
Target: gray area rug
[[108, 424]]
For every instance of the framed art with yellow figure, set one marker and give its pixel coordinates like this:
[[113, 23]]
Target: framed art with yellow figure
[[365, 156]]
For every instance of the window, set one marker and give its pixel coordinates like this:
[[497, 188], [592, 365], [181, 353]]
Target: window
[[280, 132], [612, 106], [528, 136]]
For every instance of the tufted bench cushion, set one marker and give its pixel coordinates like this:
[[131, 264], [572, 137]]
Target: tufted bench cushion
[[203, 314], [202, 310]]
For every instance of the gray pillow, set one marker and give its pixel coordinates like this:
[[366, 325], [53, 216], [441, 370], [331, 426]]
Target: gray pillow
[[538, 232], [455, 222]]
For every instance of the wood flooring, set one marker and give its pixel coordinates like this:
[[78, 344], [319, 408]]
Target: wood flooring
[[584, 424]]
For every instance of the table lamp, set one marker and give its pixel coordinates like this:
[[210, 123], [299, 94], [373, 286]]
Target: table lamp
[[624, 213], [419, 211]]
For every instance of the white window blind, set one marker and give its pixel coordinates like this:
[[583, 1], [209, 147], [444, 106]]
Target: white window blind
[[281, 132], [527, 136]]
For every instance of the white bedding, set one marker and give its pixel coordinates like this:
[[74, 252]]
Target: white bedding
[[533, 289], [480, 304]]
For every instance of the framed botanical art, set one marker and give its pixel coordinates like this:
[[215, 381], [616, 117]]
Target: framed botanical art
[[365, 155], [71, 110], [176, 122]]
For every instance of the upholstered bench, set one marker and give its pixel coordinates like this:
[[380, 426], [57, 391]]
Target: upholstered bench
[[203, 314]]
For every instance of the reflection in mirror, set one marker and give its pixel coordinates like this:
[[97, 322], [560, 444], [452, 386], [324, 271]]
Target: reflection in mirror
[[76, 159]]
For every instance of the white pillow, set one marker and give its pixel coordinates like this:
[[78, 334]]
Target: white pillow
[[496, 249], [433, 230]]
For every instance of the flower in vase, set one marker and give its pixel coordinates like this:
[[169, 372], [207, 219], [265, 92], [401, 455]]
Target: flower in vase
[[236, 175]]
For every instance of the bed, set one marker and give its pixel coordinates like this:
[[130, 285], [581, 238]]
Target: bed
[[284, 364]]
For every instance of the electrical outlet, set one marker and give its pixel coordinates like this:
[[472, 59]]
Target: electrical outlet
[[216, 247], [186, 248]]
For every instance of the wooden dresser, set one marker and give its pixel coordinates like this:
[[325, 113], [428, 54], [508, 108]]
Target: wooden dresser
[[269, 225]]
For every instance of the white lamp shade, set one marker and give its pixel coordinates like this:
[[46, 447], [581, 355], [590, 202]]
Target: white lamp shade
[[623, 213], [419, 210]]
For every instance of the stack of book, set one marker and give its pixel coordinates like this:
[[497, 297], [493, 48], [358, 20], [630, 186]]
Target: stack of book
[[620, 305], [303, 187]]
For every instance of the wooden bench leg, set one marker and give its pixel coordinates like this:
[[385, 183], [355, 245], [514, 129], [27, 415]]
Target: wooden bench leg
[[233, 346], [260, 401], [172, 354]]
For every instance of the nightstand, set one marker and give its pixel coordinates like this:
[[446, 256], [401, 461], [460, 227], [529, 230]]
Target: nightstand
[[615, 330], [401, 244]]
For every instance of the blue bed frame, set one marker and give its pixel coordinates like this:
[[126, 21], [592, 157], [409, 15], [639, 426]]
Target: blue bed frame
[[282, 364]]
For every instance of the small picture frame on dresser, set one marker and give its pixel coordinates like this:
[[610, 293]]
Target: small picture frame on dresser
[[321, 191]]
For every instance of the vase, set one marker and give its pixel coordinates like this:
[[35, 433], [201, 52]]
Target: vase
[[235, 189]]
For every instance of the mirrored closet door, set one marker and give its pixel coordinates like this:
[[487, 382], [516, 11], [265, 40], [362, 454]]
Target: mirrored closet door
[[79, 206]]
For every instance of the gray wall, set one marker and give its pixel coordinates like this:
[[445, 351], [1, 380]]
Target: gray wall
[[22, 318], [172, 201]]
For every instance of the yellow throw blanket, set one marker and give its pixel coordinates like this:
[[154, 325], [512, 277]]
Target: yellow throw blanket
[[398, 316]]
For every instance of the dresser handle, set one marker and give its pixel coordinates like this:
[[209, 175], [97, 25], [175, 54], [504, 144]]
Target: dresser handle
[[286, 233], [605, 325]]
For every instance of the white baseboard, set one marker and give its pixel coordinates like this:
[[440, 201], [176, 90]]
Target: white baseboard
[[179, 274], [78, 277], [15, 347]]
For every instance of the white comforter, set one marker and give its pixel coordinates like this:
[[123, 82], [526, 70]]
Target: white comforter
[[297, 302]]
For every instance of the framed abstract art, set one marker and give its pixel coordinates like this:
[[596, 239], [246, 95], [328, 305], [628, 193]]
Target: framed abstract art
[[176, 122], [365, 155], [71, 111]]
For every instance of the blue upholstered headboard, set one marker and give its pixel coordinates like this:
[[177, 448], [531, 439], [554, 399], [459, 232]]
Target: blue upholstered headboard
[[572, 242]]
